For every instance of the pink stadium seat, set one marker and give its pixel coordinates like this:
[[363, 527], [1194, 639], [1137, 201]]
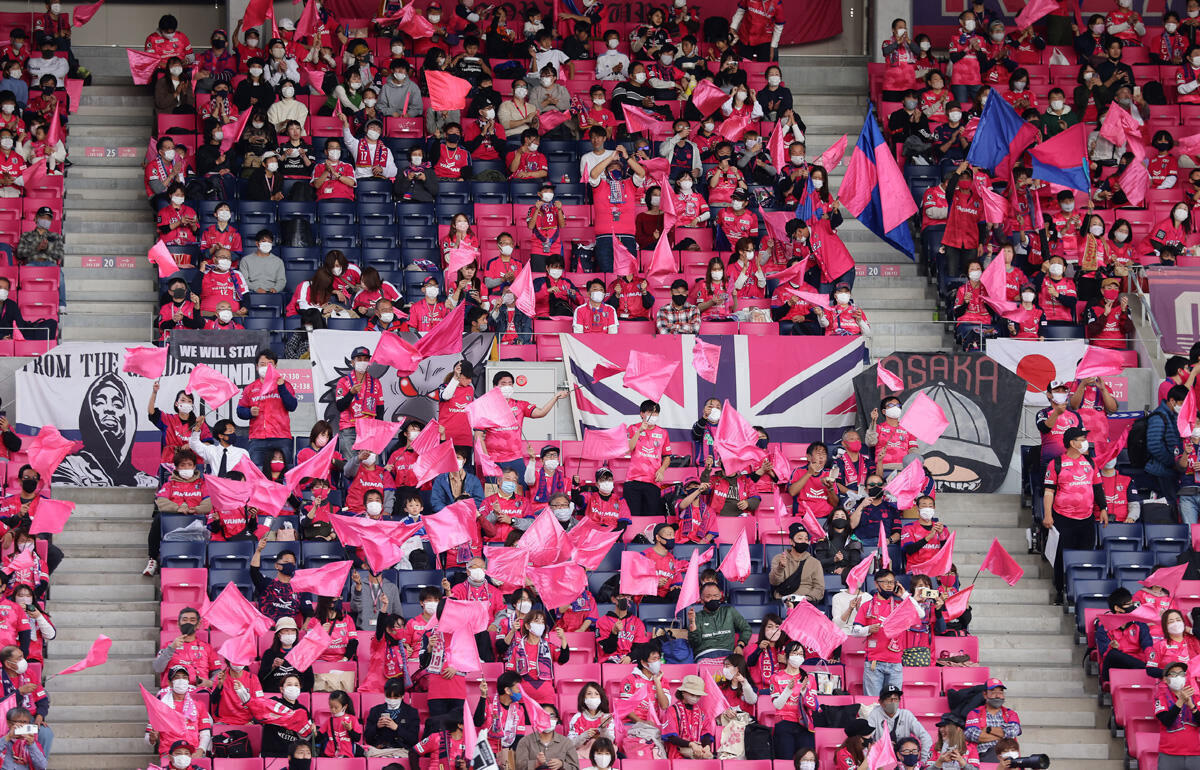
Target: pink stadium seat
[[186, 585], [954, 678], [253, 763]]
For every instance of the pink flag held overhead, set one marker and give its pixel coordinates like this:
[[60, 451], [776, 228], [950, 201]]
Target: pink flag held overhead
[[268, 498], [160, 256], [707, 97], [559, 584], [858, 573], [924, 419], [491, 410], [689, 590], [544, 539], [46, 451], [429, 437], [374, 435], [832, 158], [328, 580], [904, 616], [240, 650], [736, 441], [447, 92], [778, 147], [142, 65], [605, 444], [705, 359], [624, 263], [315, 467], [522, 289], [97, 655], [638, 575], [433, 463], [446, 337], [640, 121], [813, 628], [452, 526], [1034, 11], [538, 718], [84, 13], [1100, 362], [24, 560], [812, 525], [468, 615], [1135, 182], [314, 642], [1167, 577], [230, 138], [148, 362], [886, 379], [51, 516], [907, 484], [662, 259], [995, 206], [1185, 421], [736, 564], [507, 565], [461, 653], [604, 371], [734, 127], [649, 373], [457, 259], [215, 388], [589, 543], [395, 351]]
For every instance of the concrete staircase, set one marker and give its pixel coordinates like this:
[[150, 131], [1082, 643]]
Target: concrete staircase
[[830, 93], [1026, 641], [97, 715]]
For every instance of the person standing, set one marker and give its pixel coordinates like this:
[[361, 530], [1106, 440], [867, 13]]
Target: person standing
[[1072, 488], [266, 405], [358, 394]]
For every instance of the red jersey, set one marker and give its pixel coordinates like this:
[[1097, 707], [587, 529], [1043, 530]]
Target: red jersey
[[879, 646], [1076, 485], [365, 403], [505, 444], [273, 420], [333, 188]]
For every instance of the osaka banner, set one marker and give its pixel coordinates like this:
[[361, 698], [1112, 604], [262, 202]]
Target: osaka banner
[[798, 388], [79, 388], [1175, 302], [982, 401], [403, 396]]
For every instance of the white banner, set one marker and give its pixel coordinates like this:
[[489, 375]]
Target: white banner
[[1038, 363]]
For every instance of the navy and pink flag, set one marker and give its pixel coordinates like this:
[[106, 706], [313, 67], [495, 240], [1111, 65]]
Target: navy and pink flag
[[1000, 138], [874, 190], [1063, 159]]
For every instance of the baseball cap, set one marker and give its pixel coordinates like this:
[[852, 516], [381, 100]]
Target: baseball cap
[[1073, 433], [45, 210], [890, 690], [360, 351], [993, 683]]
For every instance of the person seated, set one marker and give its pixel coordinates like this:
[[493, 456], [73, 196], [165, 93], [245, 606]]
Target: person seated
[[416, 182], [526, 162], [796, 571], [875, 512], [990, 723], [366, 475], [595, 315], [391, 728], [374, 288], [334, 179], [372, 158], [1121, 641], [41, 247], [840, 550], [222, 284], [922, 540]]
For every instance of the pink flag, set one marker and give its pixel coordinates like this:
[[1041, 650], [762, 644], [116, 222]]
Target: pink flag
[[1185, 421], [859, 572], [374, 435], [1188, 145], [1033, 11], [793, 272], [141, 65], [54, 133], [470, 737], [507, 565], [707, 97], [429, 437], [230, 138], [736, 441], [624, 263], [705, 359], [315, 467], [689, 591], [832, 158], [491, 410], [885, 557], [47, 449], [778, 148], [604, 371], [84, 13], [1100, 362], [882, 756], [924, 419], [457, 259], [380, 540], [957, 603], [638, 575], [240, 650], [308, 22], [452, 526], [907, 484], [813, 628], [522, 289], [559, 584], [994, 279], [658, 169], [939, 564], [160, 256], [544, 539], [538, 718], [445, 338], [447, 92], [329, 580], [662, 259], [214, 387], [1120, 128], [233, 614], [995, 206], [97, 655], [1167, 577], [268, 498], [149, 362], [605, 444], [779, 461], [736, 564], [904, 616], [811, 524], [590, 543], [162, 717], [713, 702], [257, 12], [649, 373], [552, 119], [51, 516], [734, 127], [999, 563], [1135, 182], [429, 465], [313, 77], [462, 654], [639, 120], [314, 642], [24, 560], [484, 462], [34, 173], [888, 380], [226, 494], [395, 351], [467, 615]]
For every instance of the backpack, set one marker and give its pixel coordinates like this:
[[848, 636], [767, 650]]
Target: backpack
[[676, 651], [757, 742], [1136, 444], [233, 744]]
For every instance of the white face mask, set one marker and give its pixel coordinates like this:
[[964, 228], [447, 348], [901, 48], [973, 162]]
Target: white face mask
[[288, 93], [272, 167], [1084, 446], [291, 692], [372, 135], [178, 686], [361, 366], [506, 249], [287, 639], [224, 216], [524, 606], [1176, 682], [892, 412], [808, 764], [1180, 214], [1175, 627], [774, 80], [178, 200], [1170, 27], [547, 81], [335, 154], [842, 298], [975, 275], [176, 71], [224, 264], [954, 115], [639, 77], [431, 292], [685, 186], [555, 273], [386, 317], [506, 391], [562, 514], [596, 296], [224, 316], [181, 761], [717, 275], [602, 761], [369, 102], [1056, 270], [969, 25], [416, 160], [1028, 296], [1058, 397], [429, 607], [1096, 230], [818, 183], [262, 371], [264, 247], [998, 36], [185, 473], [255, 72], [1056, 104], [547, 196], [926, 513], [374, 508], [795, 661], [475, 574], [9, 109], [591, 703], [520, 91], [605, 487]]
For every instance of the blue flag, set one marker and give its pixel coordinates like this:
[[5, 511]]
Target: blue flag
[[874, 189], [1000, 138]]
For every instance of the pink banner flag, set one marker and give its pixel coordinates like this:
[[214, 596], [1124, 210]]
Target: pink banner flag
[[466, 615], [328, 580], [659, 169], [649, 373], [999, 563], [470, 737], [1100, 362], [1135, 183], [84, 13], [995, 206], [957, 603], [97, 655], [605, 444], [233, 614], [662, 259], [812, 628], [457, 259], [148, 362], [397, 352], [705, 359], [904, 616], [507, 566], [924, 419], [736, 441], [416, 25], [433, 463], [885, 557], [882, 756], [142, 65], [907, 484], [313, 77], [1033, 11], [1121, 128], [484, 462], [640, 121], [491, 410], [552, 119], [539, 719], [24, 560], [734, 127], [162, 717], [1185, 420], [713, 702], [858, 573], [374, 435], [795, 273], [215, 388], [811, 524], [452, 526], [447, 92], [604, 371], [689, 591], [940, 564], [994, 279], [160, 256], [736, 564], [639, 577], [226, 494], [589, 543], [46, 451], [1168, 578], [778, 148], [268, 498], [240, 650], [779, 461], [462, 654], [315, 467], [429, 437], [832, 158], [559, 584], [51, 516], [1188, 145], [34, 173], [522, 289], [446, 337], [544, 539], [624, 263], [888, 380], [314, 642], [234, 134], [707, 97]]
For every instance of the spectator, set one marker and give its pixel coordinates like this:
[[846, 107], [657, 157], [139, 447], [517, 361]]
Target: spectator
[[277, 740], [334, 179], [892, 443], [40, 247], [266, 405], [841, 550], [923, 539], [1121, 644], [718, 629], [222, 284], [371, 598], [541, 748], [196, 655], [222, 457], [400, 97], [897, 724], [266, 181], [173, 94], [990, 723], [391, 728], [359, 394], [853, 751], [883, 652], [1178, 716], [680, 316], [456, 485], [1072, 487], [951, 748], [181, 698], [796, 571], [795, 701], [1165, 446], [263, 271], [274, 595]]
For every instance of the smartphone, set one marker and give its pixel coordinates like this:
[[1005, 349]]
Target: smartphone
[[29, 729]]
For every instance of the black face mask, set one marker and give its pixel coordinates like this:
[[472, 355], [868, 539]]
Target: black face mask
[[187, 629], [839, 524], [678, 300], [712, 605], [875, 490], [219, 43], [1162, 146], [29, 485], [288, 569], [885, 594], [179, 293], [47, 90], [451, 139], [800, 547], [623, 605], [761, 443], [299, 764], [668, 543], [229, 438]]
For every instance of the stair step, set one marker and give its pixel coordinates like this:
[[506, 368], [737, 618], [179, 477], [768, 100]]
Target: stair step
[[101, 498], [69, 651], [1073, 743], [87, 681], [91, 565], [62, 760], [106, 593]]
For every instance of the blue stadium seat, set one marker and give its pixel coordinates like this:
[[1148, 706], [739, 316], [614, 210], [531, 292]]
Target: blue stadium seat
[[1165, 553], [337, 212], [1123, 565], [754, 590], [376, 214], [377, 236], [259, 213], [1165, 533], [571, 193], [524, 191], [182, 554], [490, 192], [298, 210], [1092, 589], [346, 324], [415, 580], [447, 210], [292, 255], [234, 554], [612, 559], [219, 578], [379, 257], [172, 521], [456, 192], [1117, 531], [598, 577], [261, 323], [416, 214], [373, 191], [315, 553], [338, 236], [270, 301], [295, 278]]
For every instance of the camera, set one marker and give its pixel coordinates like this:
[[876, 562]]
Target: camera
[[1033, 762], [924, 593], [29, 729]]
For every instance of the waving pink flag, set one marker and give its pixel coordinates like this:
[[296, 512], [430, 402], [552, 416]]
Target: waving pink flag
[[907, 484], [624, 263], [484, 462], [97, 655], [160, 256], [812, 628], [315, 467], [491, 410], [778, 148], [409, 21], [649, 373], [794, 273], [639, 120], [811, 523], [605, 444], [689, 591], [471, 616], [452, 526], [1121, 128], [589, 543], [1001, 564], [429, 437], [1185, 421], [84, 13], [384, 553], [47, 449], [995, 206], [736, 441], [24, 560], [397, 352], [445, 338], [1100, 362], [240, 650], [858, 573], [447, 92], [328, 580], [544, 539], [230, 138], [142, 65], [779, 461], [705, 359], [162, 717], [904, 616], [957, 603], [313, 77], [374, 435], [888, 380], [736, 564], [148, 362], [940, 563], [924, 419], [604, 371], [707, 97], [1166, 577], [308, 22], [461, 652], [832, 158], [226, 494], [538, 718], [268, 498], [713, 702], [314, 642], [1135, 182], [214, 387], [457, 259], [734, 127], [51, 516], [882, 754], [662, 259], [559, 584], [638, 575], [233, 614], [433, 463], [470, 736], [507, 565], [885, 557]]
